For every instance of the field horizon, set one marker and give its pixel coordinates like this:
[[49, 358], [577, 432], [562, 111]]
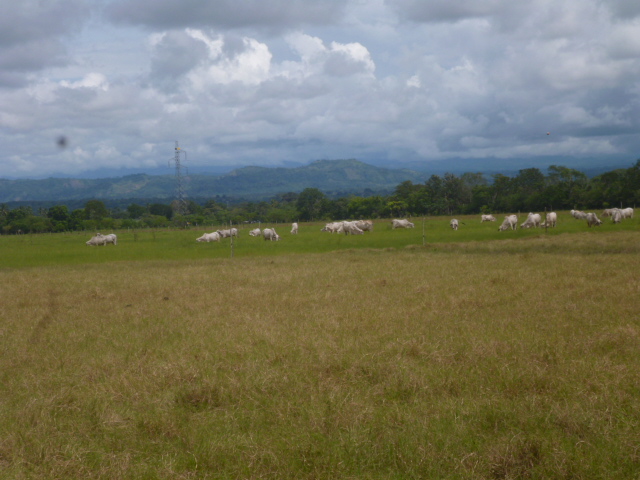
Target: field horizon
[[481, 355]]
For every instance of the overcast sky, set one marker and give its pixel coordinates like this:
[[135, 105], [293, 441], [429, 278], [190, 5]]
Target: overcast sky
[[268, 82]]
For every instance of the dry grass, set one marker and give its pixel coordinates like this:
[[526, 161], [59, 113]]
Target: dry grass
[[501, 360]]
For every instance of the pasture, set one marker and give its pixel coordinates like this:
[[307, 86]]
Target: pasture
[[478, 355], [172, 244]]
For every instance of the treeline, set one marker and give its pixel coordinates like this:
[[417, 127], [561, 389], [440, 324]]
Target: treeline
[[561, 188]]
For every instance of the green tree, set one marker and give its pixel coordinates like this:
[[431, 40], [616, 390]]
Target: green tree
[[566, 187], [136, 211], [160, 209], [311, 204], [95, 210], [58, 213]]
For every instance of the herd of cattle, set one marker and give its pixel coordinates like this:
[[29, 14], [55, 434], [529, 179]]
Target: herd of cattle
[[358, 227]]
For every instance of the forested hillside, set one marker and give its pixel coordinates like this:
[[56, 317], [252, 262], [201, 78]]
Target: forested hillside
[[331, 176], [561, 188]]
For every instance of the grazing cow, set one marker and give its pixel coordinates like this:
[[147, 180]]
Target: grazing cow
[[616, 216], [592, 220], [403, 223], [350, 228], [111, 238], [365, 225], [627, 212], [533, 220], [509, 222], [487, 218], [209, 237], [608, 212], [270, 234], [294, 228], [97, 240], [230, 232], [550, 221], [100, 239], [256, 232], [332, 227], [454, 224], [578, 215]]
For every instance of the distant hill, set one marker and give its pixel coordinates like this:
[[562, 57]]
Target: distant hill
[[330, 176]]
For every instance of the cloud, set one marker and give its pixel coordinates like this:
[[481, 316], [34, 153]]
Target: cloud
[[225, 14], [31, 35], [268, 82]]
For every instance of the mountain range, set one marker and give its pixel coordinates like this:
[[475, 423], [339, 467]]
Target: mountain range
[[333, 177]]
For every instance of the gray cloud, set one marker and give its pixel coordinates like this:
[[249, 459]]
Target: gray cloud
[[400, 80], [225, 13], [29, 20], [174, 55], [31, 36]]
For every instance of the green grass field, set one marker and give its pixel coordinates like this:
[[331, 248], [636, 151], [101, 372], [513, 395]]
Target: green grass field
[[164, 244], [480, 355]]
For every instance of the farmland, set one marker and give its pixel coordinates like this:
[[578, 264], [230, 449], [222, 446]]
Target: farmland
[[468, 354]]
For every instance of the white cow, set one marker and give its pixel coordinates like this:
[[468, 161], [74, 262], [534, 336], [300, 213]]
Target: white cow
[[401, 223], [332, 227], [627, 212], [608, 212], [365, 225], [487, 218], [616, 216], [209, 237], [578, 215], [230, 232], [350, 228], [294, 228], [100, 239], [111, 238], [509, 222], [256, 232], [270, 234], [533, 220], [97, 240], [592, 220], [454, 223], [550, 221]]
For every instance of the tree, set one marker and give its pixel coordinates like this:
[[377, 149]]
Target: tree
[[434, 191], [567, 187], [161, 209], [500, 190], [472, 180], [310, 204], [58, 213], [95, 210], [136, 211], [456, 194]]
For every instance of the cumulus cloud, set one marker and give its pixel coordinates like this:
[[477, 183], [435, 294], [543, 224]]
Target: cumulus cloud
[[266, 82]]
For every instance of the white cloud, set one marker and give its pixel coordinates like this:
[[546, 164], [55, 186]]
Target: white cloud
[[286, 80], [92, 80]]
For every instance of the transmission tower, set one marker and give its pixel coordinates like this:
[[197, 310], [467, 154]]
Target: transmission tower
[[180, 202]]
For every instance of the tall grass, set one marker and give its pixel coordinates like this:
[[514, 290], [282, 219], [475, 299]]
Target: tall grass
[[494, 359]]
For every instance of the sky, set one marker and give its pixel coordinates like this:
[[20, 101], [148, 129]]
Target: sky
[[89, 85]]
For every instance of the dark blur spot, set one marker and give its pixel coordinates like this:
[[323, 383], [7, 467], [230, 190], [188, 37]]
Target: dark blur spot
[[62, 141]]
